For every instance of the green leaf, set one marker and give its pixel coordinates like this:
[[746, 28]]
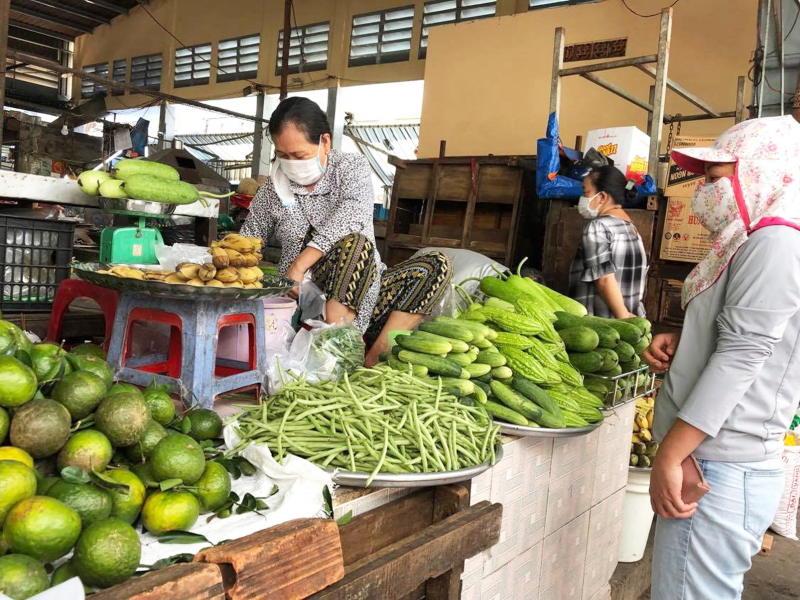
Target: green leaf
[[182, 537], [168, 484], [261, 505], [273, 491], [345, 519], [245, 466], [172, 560], [233, 497], [104, 481], [326, 496], [186, 425], [74, 475]]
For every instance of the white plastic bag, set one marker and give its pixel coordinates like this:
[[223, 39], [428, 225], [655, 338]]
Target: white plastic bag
[[785, 522], [323, 353], [171, 256], [310, 300]]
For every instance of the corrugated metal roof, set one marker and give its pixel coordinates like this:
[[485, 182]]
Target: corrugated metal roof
[[68, 17]]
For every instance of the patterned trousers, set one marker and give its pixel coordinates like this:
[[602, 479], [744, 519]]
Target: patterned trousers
[[416, 286]]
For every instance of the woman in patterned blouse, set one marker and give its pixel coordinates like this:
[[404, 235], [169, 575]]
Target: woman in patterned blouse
[[609, 271], [318, 202]]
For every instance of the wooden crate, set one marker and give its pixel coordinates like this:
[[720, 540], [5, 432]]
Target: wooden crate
[[473, 203]]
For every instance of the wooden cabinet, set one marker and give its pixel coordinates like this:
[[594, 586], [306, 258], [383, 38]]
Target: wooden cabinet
[[472, 203]]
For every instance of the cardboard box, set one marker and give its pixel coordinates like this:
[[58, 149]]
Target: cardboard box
[[684, 238], [679, 182], [628, 147]]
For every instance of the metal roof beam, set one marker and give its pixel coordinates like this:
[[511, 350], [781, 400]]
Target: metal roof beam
[[73, 11], [42, 31], [51, 19], [108, 6], [682, 92]]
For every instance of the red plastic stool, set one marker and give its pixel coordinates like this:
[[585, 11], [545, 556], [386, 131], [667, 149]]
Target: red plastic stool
[[68, 291]]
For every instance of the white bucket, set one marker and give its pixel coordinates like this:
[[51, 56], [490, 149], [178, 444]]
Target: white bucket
[[637, 516], [234, 342]]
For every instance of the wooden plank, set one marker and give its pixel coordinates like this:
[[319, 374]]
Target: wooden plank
[[662, 67], [449, 500], [292, 560], [558, 64], [766, 545], [455, 183], [430, 204], [618, 91], [192, 581], [376, 529], [515, 216], [498, 184], [413, 181], [476, 177], [740, 86], [397, 570], [609, 65]]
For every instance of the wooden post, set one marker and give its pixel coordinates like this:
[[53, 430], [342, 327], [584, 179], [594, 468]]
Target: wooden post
[[740, 99], [5, 8], [258, 136], [662, 66], [650, 98], [558, 63], [442, 148], [448, 500], [287, 35]]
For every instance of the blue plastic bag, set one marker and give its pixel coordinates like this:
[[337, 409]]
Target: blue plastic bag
[[549, 184]]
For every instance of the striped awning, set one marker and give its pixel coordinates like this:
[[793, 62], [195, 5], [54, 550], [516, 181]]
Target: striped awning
[[378, 142]]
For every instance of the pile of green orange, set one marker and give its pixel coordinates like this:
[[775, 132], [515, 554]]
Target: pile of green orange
[[82, 459]]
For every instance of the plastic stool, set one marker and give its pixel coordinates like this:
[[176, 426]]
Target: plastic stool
[[191, 368], [71, 289]]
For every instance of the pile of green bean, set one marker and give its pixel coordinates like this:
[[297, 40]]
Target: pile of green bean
[[375, 421]]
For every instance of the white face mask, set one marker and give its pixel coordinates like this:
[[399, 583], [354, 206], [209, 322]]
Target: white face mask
[[713, 203], [583, 207], [303, 172]]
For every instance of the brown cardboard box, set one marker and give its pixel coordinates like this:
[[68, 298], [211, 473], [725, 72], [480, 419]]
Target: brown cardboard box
[[685, 239], [679, 182]]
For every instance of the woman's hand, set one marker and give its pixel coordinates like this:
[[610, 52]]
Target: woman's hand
[[660, 351], [666, 481], [297, 274]]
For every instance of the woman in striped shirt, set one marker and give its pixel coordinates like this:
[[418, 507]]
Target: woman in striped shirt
[[609, 271]]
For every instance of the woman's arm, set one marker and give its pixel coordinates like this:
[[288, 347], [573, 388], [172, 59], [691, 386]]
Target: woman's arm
[[666, 480], [260, 222], [608, 288], [304, 261]]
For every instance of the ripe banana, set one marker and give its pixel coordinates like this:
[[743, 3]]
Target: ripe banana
[[234, 241], [174, 278], [215, 283], [128, 272], [650, 417], [227, 275], [235, 258], [235, 284], [250, 259], [641, 421], [645, 435], [207, 271], [219, 257], [249, 275], [635, 427], [196, 281], [155, 276], [188, 270], [636, 439]]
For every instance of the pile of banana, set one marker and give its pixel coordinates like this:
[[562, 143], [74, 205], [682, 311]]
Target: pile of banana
[[643, 448], [236, 251], [234, 264]]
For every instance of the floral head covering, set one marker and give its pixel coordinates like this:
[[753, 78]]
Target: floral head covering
[[764, 191]]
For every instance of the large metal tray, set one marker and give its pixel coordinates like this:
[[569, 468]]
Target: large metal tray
[[274, 285], [136, 207], [542, 432], [413, 480]]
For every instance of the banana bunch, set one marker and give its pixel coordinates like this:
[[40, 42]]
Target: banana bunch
[[643, 448], [236, 251], [129, 272], [194, 274]]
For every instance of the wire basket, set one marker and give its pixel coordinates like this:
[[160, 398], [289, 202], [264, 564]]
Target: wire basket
[[36, 255], [627, 386]]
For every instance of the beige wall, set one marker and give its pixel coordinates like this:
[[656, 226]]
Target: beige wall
[[487, 83]]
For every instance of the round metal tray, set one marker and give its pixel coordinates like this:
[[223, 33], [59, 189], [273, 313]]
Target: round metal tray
[[542, 432], [274, 285], [414, 480], [142, 207]]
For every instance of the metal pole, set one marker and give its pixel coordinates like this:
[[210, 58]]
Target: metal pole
[[765, 43], [662, 67], [287, 35], [111, 84], [651, 98], [779, 33], [258, 135], [558, 63], [5, 8]]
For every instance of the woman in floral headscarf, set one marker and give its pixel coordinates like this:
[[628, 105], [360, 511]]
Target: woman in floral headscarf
[[731, 389]]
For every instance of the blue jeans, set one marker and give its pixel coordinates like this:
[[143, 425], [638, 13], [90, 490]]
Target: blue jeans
[[706, 556]]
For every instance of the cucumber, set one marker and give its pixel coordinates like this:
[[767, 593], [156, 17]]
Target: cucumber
[[483, 344], [515, 401], [631, 365], [462, 359], [612, 372], [486, 379], [564, 320], [396, 349], [498, 303], [467, 400], [539, 397], [398, 365], [580, 339], [502, 372], [491, 358], [586, 362], [533, 424], [643, 324], [457, 345], [447, 330], [128, 167], [480, 394], [477, 369], [640, 346], [436, 365], [478, 329], [484, 386], [465, 386], [426, 346], [504, 414], [610, 358], [624, 351], [609, 337], [627, 332]]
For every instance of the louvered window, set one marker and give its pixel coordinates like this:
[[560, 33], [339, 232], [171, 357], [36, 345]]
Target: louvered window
[[443, 12], [91, 88], [193, 65], [308, 48], [238, 58], [381, 37], [146, 71]]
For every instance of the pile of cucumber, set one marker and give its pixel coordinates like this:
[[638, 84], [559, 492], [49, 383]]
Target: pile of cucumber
[[143, 180], [604, 347], [505, 356]]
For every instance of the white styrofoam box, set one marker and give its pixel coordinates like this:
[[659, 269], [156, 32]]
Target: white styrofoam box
[[602, 549], [563, 560], [517, 580], [628, 147]]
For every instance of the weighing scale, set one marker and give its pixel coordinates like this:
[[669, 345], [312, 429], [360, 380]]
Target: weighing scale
[[135, 244]]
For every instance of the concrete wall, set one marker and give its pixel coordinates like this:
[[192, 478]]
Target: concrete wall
[[487, 83]]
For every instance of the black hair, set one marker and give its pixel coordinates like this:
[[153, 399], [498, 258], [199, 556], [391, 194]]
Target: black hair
[[609, 179], [304, 114]]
